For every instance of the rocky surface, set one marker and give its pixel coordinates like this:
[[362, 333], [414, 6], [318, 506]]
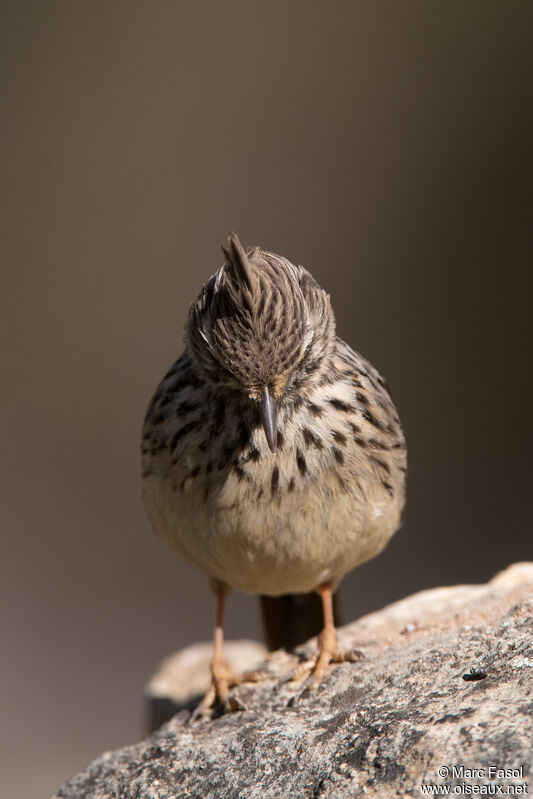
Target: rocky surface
[[446, 683]]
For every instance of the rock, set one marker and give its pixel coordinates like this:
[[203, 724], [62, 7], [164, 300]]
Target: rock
[[446, 684]]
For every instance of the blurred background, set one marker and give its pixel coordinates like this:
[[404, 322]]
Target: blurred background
[[385, 146]]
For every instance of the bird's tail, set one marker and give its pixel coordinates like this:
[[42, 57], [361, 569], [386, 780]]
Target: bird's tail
[[292, 619]]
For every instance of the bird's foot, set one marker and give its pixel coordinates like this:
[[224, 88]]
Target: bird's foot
[[223, 678], [316, 668]]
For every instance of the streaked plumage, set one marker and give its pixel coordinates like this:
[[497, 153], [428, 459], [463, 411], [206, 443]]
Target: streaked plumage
[[330, 496]]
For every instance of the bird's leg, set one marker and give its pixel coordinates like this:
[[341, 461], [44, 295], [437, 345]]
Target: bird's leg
[[328, 647], [222, 676]]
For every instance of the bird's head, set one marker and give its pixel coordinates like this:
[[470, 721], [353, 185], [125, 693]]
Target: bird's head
[[263, 327]]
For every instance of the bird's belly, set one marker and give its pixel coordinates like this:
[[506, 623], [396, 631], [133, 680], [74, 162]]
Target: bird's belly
[[272, 544]]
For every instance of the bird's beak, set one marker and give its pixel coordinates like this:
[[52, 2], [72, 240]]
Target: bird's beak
[[269, 417]]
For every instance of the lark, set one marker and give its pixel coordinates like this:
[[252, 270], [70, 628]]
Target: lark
[[273, 458]]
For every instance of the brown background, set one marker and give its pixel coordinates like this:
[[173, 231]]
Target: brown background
[[387, 147]]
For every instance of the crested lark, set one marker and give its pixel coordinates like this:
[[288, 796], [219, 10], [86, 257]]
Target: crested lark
[[273, 457]]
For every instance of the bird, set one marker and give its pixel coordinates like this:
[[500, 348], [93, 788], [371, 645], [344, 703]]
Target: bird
[[273, 457]]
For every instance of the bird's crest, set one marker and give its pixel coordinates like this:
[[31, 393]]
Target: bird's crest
[[242, 272], [257, 319]]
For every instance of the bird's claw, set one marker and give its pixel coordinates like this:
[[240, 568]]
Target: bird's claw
[[218, 696], [316, 668]]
